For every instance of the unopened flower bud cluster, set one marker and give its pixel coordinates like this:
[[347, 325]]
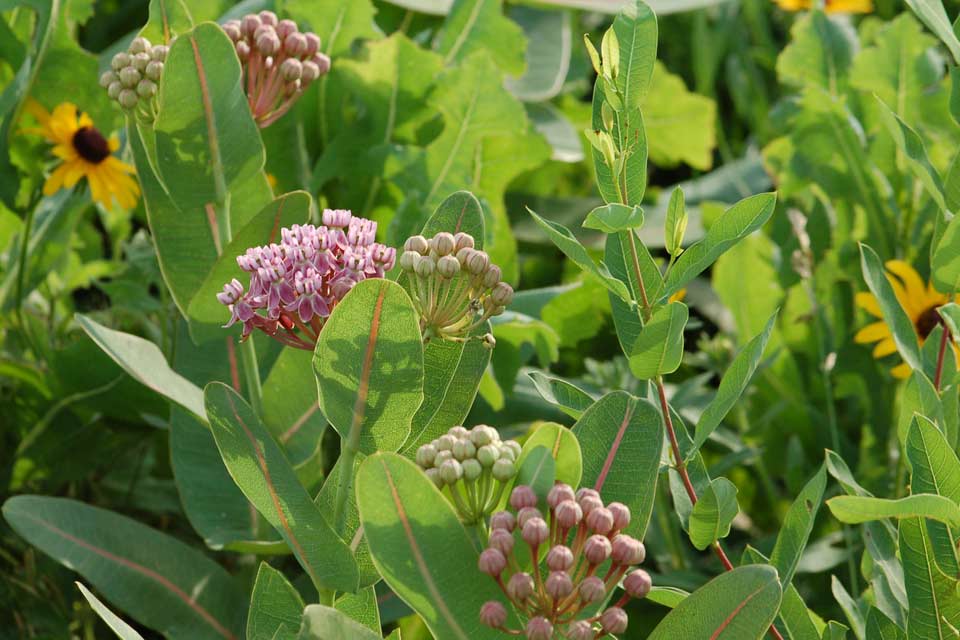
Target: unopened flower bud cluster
[[474, 466], [587, 557], [279, 62], [134, 77], [294, 285], [454, 286]]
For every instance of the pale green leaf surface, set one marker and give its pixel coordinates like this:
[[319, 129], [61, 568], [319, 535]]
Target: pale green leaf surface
[[112, 620], [713, 513], [275, 607]]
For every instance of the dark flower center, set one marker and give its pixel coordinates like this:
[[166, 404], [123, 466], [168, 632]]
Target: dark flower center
[[91, 145], [927, 322]]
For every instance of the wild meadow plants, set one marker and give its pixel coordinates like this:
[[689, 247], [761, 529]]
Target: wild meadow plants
[[420, 319]]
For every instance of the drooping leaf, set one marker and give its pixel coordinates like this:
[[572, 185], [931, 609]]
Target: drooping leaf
[[275, 606], [911, 144], [659, 347], [361, 606], [611, 218], [849, 606], [401, 511], [857, 509], [713, 513], [154, 578], [893, 314], [112, 620], [258, 466], [797, 526], [620, 442], [737, 605], [880, 627], [568, 398], [369, 366]]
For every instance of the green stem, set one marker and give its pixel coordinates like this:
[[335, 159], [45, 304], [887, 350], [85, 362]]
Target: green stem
[[251, 374], [22, 263]]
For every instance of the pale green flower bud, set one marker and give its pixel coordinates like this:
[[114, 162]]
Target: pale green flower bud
[[492, 277], [114, 90], [425, 267], [462, 241], [120, 61], [458, 432], [434, 475], [448, 266], [154, 70], [441, 457], [139, 45], [291, 69], [127, 98], [481, 435], [443, 243], [108, 78], [159, 52], [426, 455], [487, 455], [146, 88], [471, 469], [418, 244], [451, 471], [502, 294], [445, 442], [504, 470], [129, 77], [141, 60], [463, 449]]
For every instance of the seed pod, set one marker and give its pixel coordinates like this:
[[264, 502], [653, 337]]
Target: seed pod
[[291, 69], [558, 585], [539, 628], [471, 469], [108, 78], [600, 520], [501, 540], [592, 589], [638, 583], [560, 558], [504, 470], [129, 77], [614, 619], [139, 45], [127, 98], [120, 61], [493, 614], [535, 532], [597, 549], [154, 70], [503, 520], [426, 455], [522, 496], [114, 90], [448, 267], [520, 587], [146, 88], [492, 562]]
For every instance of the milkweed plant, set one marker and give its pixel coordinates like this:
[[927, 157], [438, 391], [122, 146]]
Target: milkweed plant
[[352, 319]]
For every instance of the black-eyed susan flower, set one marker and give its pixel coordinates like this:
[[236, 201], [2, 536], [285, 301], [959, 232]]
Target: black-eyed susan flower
[[829, 6], [918, 299], [84, 153]]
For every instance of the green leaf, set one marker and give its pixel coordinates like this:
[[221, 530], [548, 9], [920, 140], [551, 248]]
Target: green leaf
[[548, 39], [857, 509], [460, 211], [369, 366], [145, 363], [797, 526], [561, 446], [880, 627], [479, 25], [537, 469], [950, 313], [820, 53], [919, 396], [680, 124], [636, 30], [736, 223], [611, 218], [713, 513], [733, 384], [326, 623], [620, 442], [626, 317], [834, 631], [737, 605], [934, 604], [893, 314], [849, 606], [797, 619], [402, 512], [675, 224], [567, 397], [118, 626], [166, 20], [571, 247], [257, 464], [362, 607], [263, 228], [932, 14], [337, 23], [275, 607], [156, 579], [659, 347], [911, 144], [669, 597], [945, 266]]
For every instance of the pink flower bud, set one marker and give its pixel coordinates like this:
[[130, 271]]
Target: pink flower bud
[[268, 17], [336, 218], [291, 69], [462, 240], [621, 515], [614, 620], [539, 628], [313, 44], [600, 520], [503, 520], [322, 61], [310, 72], [492, 562], [526, 513], [568, 514], [249, 25], [232, 29], [476, 262], [558, 494], [597, 549], [580, 630], [592, 589], [520, 587], [627, 550], [535, 532], [268, 43], [243, 50], [443, 243], [420, 245], [501, 540], [585, 491], [493, 276], [638, 583], [560, 558], [558, 585], [285, 28], [502, 294], [493, 614], [588, 502], [522, 496], [295, 44]]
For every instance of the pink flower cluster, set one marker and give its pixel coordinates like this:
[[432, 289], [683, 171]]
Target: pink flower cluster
[[297, 283]]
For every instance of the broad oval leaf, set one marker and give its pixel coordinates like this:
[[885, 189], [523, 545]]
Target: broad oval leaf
[[612, 218], [562, 446], [564, 395], [934, 604], [620, 439], [258, 466], [636, 29], [156, 579], [275, 607], [459, 212], [737, 605], [403, 515], [369, 366], [713, 513], [473, 25], [326, 623], [536, 469], [659, 347]]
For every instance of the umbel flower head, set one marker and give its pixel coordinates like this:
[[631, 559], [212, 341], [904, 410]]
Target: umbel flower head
[[587, 557], [83, 152], [279, 62], [134, 77], [920, 302], [295, 285], [472, 467], [454, 286]]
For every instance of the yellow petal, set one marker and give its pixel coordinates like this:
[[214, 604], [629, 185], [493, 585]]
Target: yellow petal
[[678, 296], [866, 301], [913, 284], [849, 6], [902, 371], [872, 333], [55, 181], [884, 348], [793, 5], [113, 143]]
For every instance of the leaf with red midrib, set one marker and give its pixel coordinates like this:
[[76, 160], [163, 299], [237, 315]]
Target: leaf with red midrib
[[154, 578], [737, 605]]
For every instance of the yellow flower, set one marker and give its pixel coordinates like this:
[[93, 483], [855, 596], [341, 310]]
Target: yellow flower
[[830, 6], [918, 299], [84, 152], [678, 296]]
